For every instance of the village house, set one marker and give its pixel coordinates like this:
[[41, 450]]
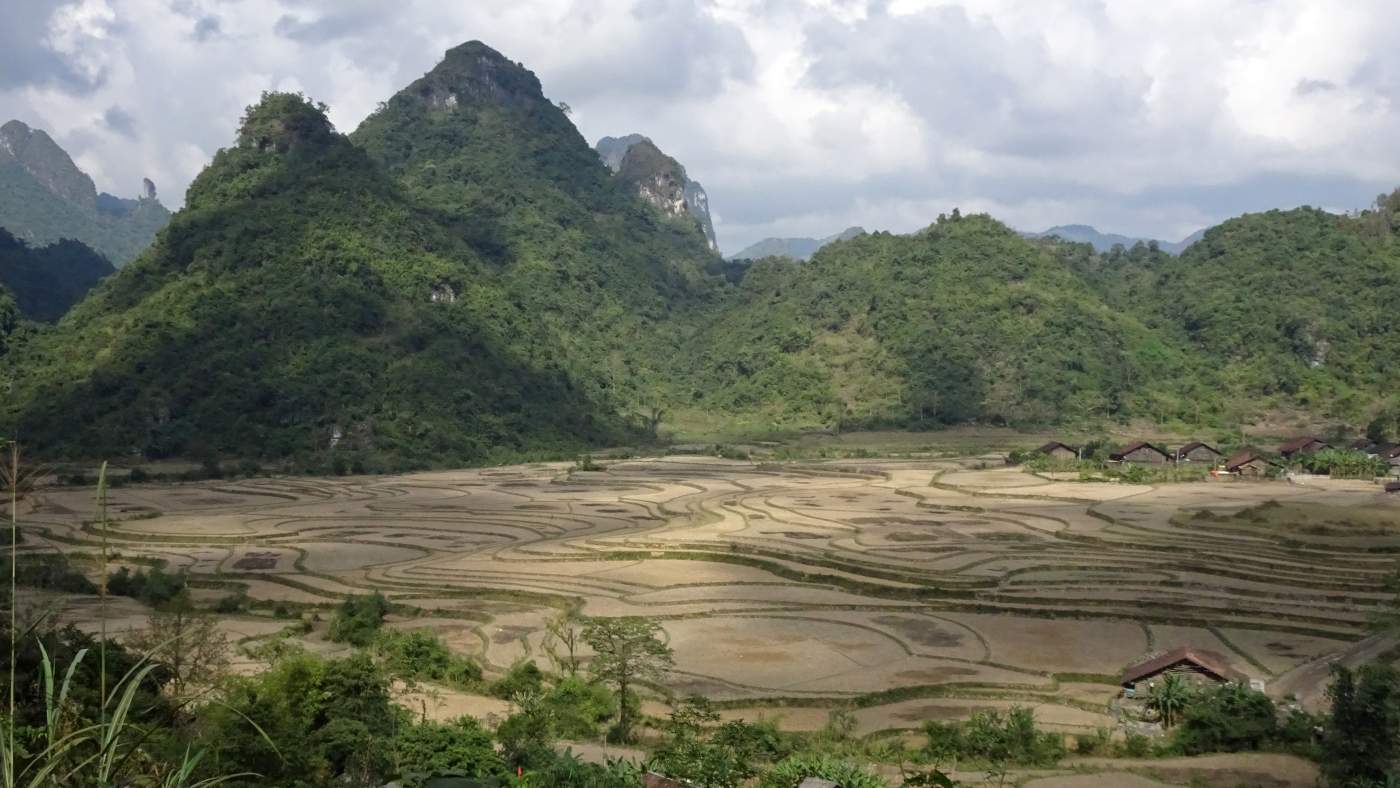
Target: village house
[[1300, 446], [1141, 453], [1196, 666], [1199, 452], [1250, 464], [1058, 451]]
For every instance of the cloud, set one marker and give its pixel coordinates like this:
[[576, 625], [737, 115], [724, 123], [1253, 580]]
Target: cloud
[[1149, 117], [120, 121]]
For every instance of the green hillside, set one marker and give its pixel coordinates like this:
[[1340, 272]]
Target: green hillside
[[1294, 308], [300, 305], [585, 267], [45, 198], [963, 321], [47, 281]]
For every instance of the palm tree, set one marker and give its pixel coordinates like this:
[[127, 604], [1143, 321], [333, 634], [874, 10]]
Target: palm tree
[[1168, 697]]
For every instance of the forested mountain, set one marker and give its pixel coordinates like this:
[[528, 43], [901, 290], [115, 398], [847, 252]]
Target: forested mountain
[[965, 320], [1294, 307], [47, 281], [659, 179], [301, 302], [45, 198], [463, 278], [793, 248]]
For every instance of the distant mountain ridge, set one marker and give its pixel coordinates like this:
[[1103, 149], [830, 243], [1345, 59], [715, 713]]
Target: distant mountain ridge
[[45, 198], [1103, 242], [800, 249], [659, 179]]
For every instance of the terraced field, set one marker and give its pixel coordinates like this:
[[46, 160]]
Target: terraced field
[[909, 589]]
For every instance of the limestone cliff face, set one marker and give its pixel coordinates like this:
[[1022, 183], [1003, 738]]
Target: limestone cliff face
[[658, 179], [37, 154]]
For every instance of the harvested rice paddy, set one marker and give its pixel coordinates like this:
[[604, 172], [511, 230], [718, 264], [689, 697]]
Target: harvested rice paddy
[[908, 590]]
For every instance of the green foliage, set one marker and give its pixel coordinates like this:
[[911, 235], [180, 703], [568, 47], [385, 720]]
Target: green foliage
[[45, 199], [47, 281], [791, 771], [706, 753], [1344, 464], [153, 586], [1227, 718], [523, 678], [49, 571], [994, 737], [461, 748], [578, 708], [358, 619], [626, 650], [421, 655], [1362, 742]]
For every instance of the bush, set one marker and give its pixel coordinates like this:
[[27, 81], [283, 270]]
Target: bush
[[996, 737], [523, 678], [155, 587], [579, 708], [461, 748], [421, 655], [51, 571], [358, 618], [791, 771], [1228, 718]]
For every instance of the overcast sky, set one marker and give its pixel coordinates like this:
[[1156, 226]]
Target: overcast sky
[[800, 117]]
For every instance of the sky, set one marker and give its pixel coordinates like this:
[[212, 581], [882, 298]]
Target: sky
[[1150, 118]]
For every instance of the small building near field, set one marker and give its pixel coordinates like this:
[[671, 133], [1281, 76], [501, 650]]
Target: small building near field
[[1058, 451], [1392, 487], [1199, 452], [1388, 452], [1306, 444], [1197, 666], [1250, 464], [1141, 453], [1364, 445]]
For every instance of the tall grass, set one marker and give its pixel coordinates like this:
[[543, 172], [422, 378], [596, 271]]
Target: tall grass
[[72, 753]]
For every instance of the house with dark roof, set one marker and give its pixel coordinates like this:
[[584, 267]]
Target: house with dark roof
[[1250, 464], [1199, 452], [1059, 451], [1362, 445], [1195, 665], [1141, 453], [1306, 444]]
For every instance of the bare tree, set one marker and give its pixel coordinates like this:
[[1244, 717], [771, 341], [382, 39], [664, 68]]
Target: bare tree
[[187, 642]]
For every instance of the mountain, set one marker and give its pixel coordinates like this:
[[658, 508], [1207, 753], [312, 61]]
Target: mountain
[[794, 248], [1294, 308], [460, 279], [45, 198], [303, 305], [46, 282], [962, 321], [658, 179], [1103, 242]]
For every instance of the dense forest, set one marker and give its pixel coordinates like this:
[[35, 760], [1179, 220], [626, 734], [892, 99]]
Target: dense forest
[[46, 282], [461, 279]]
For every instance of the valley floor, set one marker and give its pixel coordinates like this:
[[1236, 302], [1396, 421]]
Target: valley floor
[[907, 590]]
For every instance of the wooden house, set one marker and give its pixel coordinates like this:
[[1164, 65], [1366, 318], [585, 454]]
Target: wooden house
[[1195, 665], [1199, 452], [1141, 453], [1059, 451], [1306, 444], [1250, 464]]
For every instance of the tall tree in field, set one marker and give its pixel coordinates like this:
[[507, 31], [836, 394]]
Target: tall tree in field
[[625, 651], [1362, 741], [187, 642]]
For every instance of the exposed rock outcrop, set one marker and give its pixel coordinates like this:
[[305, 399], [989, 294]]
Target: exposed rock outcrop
[[658, 179]]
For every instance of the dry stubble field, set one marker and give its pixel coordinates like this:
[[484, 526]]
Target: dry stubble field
[[910, 590]]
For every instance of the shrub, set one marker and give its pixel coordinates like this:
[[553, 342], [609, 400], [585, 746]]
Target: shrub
[[358, 618], [523, 678], [579, 708], [791, 771], [993, 736], [155, 587], [421, 655], [1228, 718]]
